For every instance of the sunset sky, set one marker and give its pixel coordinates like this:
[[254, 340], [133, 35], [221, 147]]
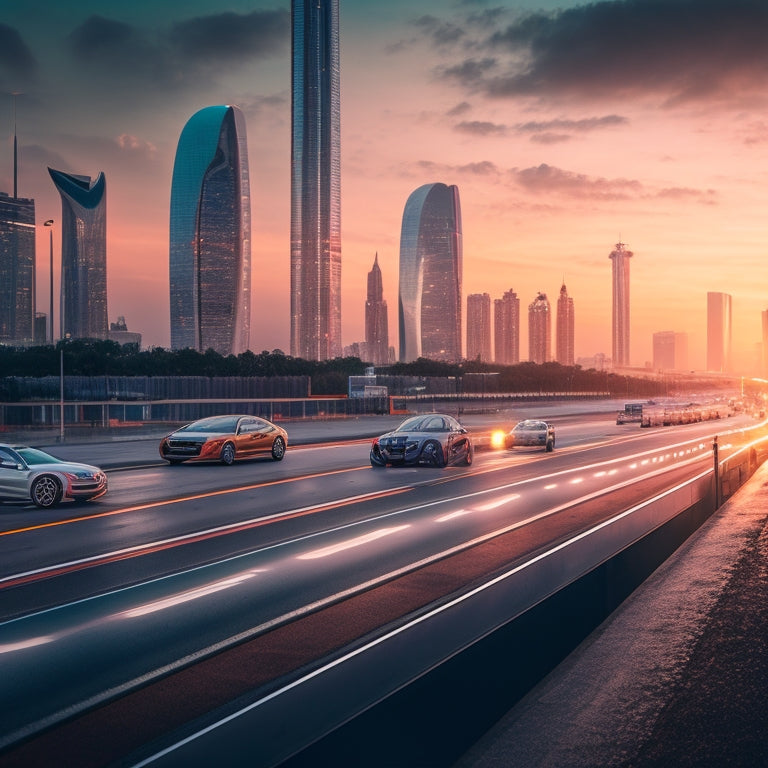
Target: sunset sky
[[566, 126]]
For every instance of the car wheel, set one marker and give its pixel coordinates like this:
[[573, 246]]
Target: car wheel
[[278, 449], [46, 491], [432, 454], [470, 457], [227, 454], [550, 446]]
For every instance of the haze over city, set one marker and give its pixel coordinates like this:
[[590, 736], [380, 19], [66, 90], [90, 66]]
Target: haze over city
[[566, 132]]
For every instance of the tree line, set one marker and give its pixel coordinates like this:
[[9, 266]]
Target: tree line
[[96, 357]]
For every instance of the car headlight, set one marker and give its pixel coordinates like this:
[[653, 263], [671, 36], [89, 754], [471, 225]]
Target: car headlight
[[498, 438]]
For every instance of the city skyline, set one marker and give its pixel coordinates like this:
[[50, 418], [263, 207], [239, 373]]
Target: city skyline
[[560, 142], [210, 234]]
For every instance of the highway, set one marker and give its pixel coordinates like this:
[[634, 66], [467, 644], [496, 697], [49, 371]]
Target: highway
[[178, 566]]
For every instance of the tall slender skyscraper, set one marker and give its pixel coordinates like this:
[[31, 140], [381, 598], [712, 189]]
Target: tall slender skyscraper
[[564, 335], [430, 275], [17, 261], [315, 181], [620, 257], [83, 255], [506, 329], [376, 318], [719, 332], [210, 243], [540, 330], [17, 269], [479, 327]]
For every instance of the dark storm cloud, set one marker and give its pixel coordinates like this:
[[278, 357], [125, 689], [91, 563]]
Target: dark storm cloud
[[441, 33], [682, 50], [227, 36], [178, 54], [16, 59], [578, 126]]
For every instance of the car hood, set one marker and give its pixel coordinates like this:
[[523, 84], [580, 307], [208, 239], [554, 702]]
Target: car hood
[[68, 466]]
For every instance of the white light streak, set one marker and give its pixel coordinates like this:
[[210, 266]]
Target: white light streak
[[358, 541]]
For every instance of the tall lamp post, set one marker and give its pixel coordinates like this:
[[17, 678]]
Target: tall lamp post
[[49, 223]]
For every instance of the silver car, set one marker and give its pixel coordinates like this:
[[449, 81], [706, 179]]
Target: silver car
[[532, 432], [434, 439], [29, 474]]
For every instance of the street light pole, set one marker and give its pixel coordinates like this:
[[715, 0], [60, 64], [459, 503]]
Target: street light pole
[[49, 223]]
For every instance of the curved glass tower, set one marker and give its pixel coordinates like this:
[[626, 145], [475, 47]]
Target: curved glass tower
[[430, 275], [83, 255], [315, 181], [210, 248]]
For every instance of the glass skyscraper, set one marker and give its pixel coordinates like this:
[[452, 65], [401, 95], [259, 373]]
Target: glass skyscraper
[[315, 181], [430, 275], [376, 318], [719, 332], [540, 330], [506, 328], [479, 327], [564, 333], [83, 255], [620, 257], [17, 269], [210, 243]]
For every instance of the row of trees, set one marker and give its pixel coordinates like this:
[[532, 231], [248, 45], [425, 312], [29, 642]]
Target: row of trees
[[88, 357]]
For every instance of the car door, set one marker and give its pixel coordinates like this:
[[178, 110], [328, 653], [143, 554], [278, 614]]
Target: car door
[[13, 481], [247, 436]]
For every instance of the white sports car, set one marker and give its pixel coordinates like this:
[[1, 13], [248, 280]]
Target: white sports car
[[29, 474]]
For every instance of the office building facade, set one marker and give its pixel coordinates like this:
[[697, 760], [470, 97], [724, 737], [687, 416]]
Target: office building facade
[[620, 257], [719, 332], [564, 328], [17, 270], [670, 351], [506, 329], [315, 181], [210, 234], [479, 327], [431, 258], [540, 330], [83, 302], [376, 318]]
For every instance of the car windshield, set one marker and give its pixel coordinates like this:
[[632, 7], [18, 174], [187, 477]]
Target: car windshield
[[529, 426], [34, 456], [427, 423], [226, 424]]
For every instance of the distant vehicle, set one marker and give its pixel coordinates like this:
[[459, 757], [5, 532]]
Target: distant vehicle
[[225, 439], [29, 474], [531, 433], [633, 412], [434, 439]]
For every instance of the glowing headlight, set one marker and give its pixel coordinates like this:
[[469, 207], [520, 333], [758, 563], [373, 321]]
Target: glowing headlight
[[498, 439]]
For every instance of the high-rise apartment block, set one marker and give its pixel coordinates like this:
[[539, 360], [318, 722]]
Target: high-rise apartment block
[[479, 327], [315, 181], [376, 318], [540, 330], [506, 329], [83, 255], [17, 270], [564, 334], [670, 351], [620, 257], [430, 275], [210, 241], [719, 332]]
